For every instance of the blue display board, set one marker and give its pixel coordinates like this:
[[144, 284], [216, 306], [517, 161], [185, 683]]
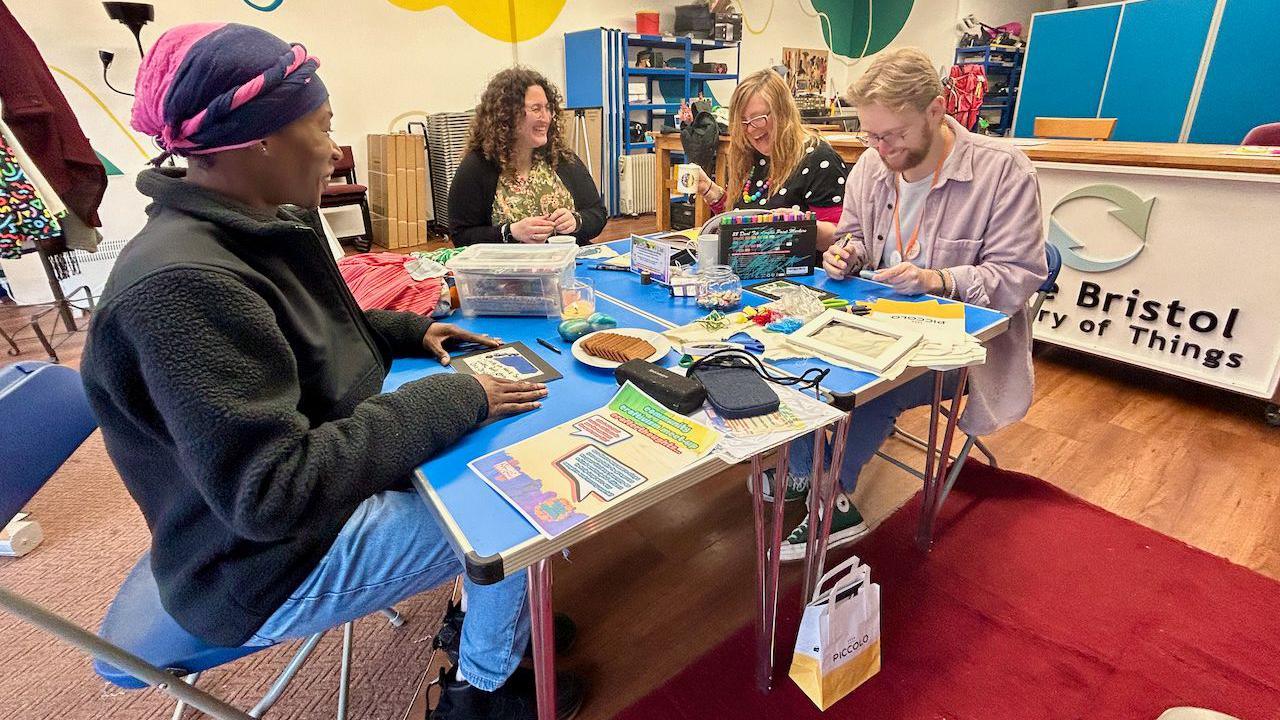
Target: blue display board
[[1066, 65], [584, 63], [1153, 70], [1240, 88]]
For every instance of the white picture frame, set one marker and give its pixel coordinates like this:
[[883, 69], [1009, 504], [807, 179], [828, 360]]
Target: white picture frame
[[904, 340]]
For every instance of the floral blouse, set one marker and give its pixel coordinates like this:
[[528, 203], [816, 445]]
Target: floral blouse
[[539, 193]]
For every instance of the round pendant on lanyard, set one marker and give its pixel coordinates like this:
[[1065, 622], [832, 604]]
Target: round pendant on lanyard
[[912, 249]]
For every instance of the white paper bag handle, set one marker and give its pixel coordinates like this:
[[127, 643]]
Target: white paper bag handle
[[860, 575], [843, 614], [852, 562]]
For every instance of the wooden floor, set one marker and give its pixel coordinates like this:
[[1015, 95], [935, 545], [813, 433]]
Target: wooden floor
[[652, 594]]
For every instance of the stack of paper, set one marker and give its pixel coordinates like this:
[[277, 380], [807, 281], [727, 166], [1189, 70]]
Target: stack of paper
[[797, 415], [946, 345]]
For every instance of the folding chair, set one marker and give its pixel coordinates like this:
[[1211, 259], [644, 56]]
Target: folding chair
[[140, 644], [1053, 259], [343, 190]]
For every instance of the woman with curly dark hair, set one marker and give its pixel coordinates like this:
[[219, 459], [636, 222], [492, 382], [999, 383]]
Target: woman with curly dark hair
[[518, 182]]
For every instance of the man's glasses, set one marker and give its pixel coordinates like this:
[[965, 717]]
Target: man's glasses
[[872, 139]]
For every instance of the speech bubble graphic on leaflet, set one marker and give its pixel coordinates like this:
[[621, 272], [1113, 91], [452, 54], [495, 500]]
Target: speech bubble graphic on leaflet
[[592, 471], [598, 429]]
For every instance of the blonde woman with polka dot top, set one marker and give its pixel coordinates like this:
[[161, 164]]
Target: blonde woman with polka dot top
[[774, 162]]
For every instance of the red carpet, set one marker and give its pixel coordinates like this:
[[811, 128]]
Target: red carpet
[[1032, 604]]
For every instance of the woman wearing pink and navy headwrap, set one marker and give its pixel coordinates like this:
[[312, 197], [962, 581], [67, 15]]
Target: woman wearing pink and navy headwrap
[[238, 384]]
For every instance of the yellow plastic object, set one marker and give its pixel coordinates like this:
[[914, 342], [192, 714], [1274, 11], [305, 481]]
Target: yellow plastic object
[[578, 309]]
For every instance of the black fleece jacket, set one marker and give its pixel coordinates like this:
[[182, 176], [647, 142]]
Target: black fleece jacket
[[238, 387], [476, 182]]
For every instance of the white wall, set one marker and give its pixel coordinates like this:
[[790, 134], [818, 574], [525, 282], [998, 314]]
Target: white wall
[[381, 61]]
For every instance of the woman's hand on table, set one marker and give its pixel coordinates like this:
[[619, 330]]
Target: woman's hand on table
[[910, 279], [533, 229], [563, 221], [510, 397], [440, 333]]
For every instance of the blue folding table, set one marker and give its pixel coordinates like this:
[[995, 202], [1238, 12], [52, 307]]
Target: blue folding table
[[496, 540]]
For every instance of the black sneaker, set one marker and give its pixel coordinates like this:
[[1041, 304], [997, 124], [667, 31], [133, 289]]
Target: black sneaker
[[515, 700], [449, 637]]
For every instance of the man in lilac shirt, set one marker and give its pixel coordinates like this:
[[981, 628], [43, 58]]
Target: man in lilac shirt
[[935, 209]]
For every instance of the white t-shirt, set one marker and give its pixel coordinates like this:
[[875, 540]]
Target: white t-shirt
[[910, 205]]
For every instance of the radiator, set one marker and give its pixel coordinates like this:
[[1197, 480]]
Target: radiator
[[636, 183]]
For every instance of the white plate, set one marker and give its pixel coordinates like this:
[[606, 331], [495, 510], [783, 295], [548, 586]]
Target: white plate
[[660, 344]]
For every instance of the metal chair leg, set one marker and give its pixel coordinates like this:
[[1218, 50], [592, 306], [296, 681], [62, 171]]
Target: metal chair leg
[[919, 443], [954, 471], [394, 617], [9, 339], [182, 705], [277, 688], [344, 672], [986, 452], [366, 241]]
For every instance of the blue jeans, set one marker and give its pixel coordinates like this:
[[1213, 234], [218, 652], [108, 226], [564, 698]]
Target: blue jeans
[[390, 549], [870, 426]]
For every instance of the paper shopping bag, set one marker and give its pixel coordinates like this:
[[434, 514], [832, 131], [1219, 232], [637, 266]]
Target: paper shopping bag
[[838, 647]]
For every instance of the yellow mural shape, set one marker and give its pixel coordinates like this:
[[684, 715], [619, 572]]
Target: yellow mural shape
[[510, 21]]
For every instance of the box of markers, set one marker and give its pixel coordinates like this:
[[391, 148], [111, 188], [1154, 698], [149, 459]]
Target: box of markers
[[778, 244]]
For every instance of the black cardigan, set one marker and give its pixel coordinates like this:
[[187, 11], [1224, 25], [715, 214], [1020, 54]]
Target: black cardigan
[[476, 182]]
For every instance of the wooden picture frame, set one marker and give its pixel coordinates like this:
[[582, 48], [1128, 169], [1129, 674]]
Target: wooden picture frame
[[903, 340]]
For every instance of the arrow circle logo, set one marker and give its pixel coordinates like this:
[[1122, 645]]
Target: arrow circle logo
[[1131, 210]]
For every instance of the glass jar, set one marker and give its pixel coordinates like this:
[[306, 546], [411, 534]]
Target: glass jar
[[719, 288]]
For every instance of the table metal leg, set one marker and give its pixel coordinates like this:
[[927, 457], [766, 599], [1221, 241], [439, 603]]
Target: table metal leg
[[936, 485], [822, 500], [544, 645], [768, 561]]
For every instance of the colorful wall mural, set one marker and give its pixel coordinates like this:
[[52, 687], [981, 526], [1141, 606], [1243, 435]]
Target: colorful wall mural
[[510, 21]]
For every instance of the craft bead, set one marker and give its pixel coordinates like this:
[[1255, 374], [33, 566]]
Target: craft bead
[[724, 300], [785, 326]]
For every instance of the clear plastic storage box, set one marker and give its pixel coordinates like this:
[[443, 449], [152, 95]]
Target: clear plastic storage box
[[513, 279]]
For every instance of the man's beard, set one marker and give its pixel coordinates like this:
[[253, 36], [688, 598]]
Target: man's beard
[[914, 156]]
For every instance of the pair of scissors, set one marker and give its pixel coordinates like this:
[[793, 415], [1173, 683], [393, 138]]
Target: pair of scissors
[[747, 342], [741, 341]]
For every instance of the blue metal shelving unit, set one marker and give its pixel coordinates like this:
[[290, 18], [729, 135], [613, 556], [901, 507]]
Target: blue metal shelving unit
[[599, 67], [1007, 66], [692, 50]]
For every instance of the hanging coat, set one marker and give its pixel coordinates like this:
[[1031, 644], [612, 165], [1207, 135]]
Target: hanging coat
[[38, 115]]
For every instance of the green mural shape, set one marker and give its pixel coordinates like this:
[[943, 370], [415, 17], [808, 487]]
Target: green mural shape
[[109, 166], [849, 27]]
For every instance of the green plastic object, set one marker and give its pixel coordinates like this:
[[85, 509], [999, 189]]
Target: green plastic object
[[601, 321], [571, 330]]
